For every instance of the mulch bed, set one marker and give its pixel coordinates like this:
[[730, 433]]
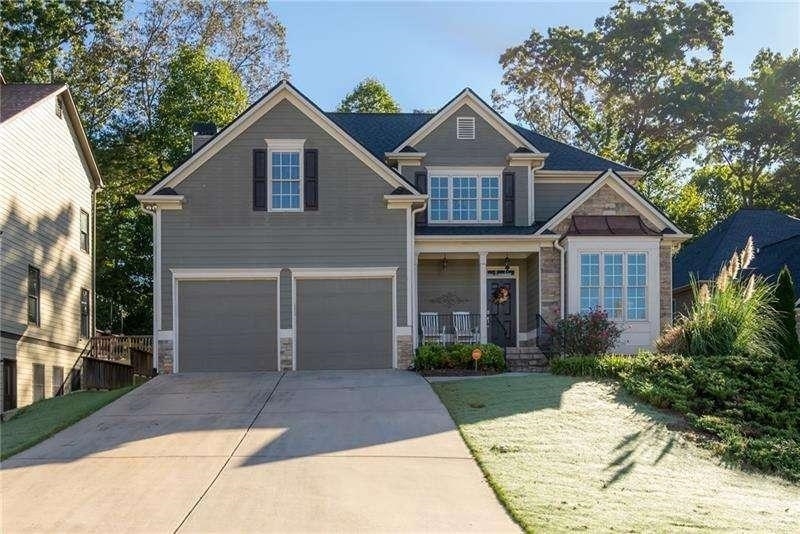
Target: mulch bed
[[457, 372]]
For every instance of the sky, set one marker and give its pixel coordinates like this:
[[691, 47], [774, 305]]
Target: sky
[[426, 52]]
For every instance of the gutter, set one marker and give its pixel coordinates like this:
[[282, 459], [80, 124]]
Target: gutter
[[413, 261]]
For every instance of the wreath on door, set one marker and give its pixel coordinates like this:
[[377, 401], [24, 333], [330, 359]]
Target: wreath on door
[[501, 295]]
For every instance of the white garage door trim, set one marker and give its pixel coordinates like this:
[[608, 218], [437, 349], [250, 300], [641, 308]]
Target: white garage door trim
[[220, 274], [347, 273]]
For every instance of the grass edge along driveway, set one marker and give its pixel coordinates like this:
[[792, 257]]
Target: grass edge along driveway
[[37, 422], [566, 454]]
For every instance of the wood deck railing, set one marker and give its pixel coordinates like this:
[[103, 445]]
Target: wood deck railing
[[118, 348]]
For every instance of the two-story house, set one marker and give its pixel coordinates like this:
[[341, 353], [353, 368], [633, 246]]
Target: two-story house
[[299, 239], [48, 181]]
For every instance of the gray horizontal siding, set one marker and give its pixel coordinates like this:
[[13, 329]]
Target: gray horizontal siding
[[549, 198], [218, 228]]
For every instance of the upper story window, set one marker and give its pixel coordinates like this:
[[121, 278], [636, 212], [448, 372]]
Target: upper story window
[[460, 197], [285, 174], [616, 282], [84, 231], [465, 127], [85, 313], [34, 290]]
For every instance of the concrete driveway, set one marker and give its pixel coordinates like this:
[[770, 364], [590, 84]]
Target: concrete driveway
[[239, 452]]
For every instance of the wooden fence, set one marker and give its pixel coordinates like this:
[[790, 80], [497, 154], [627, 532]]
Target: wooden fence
[[105, 374], [118, 348]]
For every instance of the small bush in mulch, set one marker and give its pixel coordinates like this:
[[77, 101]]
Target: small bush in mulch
[[457, 359]]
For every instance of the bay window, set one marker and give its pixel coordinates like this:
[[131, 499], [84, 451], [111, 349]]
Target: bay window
[[615, 282], [464, 198]]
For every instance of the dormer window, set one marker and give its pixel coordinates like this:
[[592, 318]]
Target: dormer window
[[465, 128], [464, 196]]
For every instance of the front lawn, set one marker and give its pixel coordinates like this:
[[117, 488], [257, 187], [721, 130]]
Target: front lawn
[[566, 454], [39, 421]]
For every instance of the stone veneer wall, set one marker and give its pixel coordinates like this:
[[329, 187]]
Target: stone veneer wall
[[550, 282], [286, 354], [165, 356], [405, 352], [605, 201], [665, 266]]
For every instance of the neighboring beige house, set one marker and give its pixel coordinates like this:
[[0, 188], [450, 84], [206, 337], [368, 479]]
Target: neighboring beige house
[[48, 179]]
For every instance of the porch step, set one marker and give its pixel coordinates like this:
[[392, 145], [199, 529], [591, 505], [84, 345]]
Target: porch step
[[526, 359]]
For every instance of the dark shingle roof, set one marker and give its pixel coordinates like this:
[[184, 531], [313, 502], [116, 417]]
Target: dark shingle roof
[[769, 229], [383, 132], [17, 97], [436, 229], [771, 258]]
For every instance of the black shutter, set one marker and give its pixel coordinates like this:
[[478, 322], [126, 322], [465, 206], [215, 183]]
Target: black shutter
[[508, 198], [421, 183], [311, 179], [259, 180]]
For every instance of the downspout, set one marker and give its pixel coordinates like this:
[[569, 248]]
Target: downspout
[[562, 250], [154, 213], [94, 262], [413, 251]]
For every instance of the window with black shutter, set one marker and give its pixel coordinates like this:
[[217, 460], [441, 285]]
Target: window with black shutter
[[259, 180], [311, 179], [508, 198]]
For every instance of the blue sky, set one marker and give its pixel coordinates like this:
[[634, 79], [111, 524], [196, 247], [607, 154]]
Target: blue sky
[[425, 52]]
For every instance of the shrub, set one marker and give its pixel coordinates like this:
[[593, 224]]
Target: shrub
[[606, 366], [429, 357], [590, 333], [732, 316], [784, 307]]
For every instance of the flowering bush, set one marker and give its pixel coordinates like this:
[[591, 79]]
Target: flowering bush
[[589, 333]]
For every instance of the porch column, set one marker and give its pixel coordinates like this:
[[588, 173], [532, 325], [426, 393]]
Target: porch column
[[482, 277], [415, 302]]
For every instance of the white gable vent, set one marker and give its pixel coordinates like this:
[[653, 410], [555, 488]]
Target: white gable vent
[[465, 127]]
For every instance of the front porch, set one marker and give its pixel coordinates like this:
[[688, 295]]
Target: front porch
[[478, 297]]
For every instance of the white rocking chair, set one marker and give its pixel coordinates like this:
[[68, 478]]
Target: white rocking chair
[[431, 331], [465, 332]]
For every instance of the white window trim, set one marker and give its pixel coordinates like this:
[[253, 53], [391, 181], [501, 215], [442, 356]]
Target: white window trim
[[465, 172], [602, 286], [285, 145]]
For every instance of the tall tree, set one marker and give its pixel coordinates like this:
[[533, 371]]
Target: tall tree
[[36, 36], [369, 96], [198, 89], [637, 88], [757, 146]]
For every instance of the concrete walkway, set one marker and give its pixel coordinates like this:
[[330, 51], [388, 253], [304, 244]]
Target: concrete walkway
[[244, 452]]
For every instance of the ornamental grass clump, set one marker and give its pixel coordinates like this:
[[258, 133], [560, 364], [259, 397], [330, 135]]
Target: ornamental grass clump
[[734, 315]]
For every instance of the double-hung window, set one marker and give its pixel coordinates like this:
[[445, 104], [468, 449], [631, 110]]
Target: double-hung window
[[34, 289], [84, 231], [464, 198], [84, 313], [285, 174], [615, 282]]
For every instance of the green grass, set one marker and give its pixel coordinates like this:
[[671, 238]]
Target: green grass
[[564, 454], [40, 420]]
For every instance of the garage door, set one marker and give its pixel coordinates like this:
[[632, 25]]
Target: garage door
[[227, 325], [344, 324]]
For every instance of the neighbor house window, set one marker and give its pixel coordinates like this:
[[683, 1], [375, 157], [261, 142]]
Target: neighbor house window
[[58, 379], [464, 199], [285, 174], [38, 381], [84, 231], [34, 289], [85, 313], [615, 282]]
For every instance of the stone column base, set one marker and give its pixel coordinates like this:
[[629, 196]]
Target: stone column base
[[286, 354], [405, 352], [165, 356]]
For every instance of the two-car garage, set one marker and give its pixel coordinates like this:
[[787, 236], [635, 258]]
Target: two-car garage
[[228, 319]]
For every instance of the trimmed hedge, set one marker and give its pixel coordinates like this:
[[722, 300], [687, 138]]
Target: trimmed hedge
[[459, 356], [750, 404]]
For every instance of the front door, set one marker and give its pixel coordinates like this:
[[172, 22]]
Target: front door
[[502, 312]]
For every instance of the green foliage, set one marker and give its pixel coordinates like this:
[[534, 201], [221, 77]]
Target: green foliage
[[750, 404], [459, 356], [198, 89], [588, 333], [37, 36], [784, 306], [643, 87], [369, 96], [732, 316]]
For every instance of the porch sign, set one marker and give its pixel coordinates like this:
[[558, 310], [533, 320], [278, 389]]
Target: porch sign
[[476, 355]]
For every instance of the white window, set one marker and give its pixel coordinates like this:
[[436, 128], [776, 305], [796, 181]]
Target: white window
[[285, 174], [465, 128], [461, 197], [621, 290]]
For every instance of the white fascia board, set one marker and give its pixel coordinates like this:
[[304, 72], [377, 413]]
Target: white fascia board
[[525, 159], [166, 202], [226, 274], [284, 91], [405, 155], [337, 273], [480, 108], [403, 201]]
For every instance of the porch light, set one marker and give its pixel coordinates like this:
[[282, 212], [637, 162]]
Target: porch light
[[444, 263]]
